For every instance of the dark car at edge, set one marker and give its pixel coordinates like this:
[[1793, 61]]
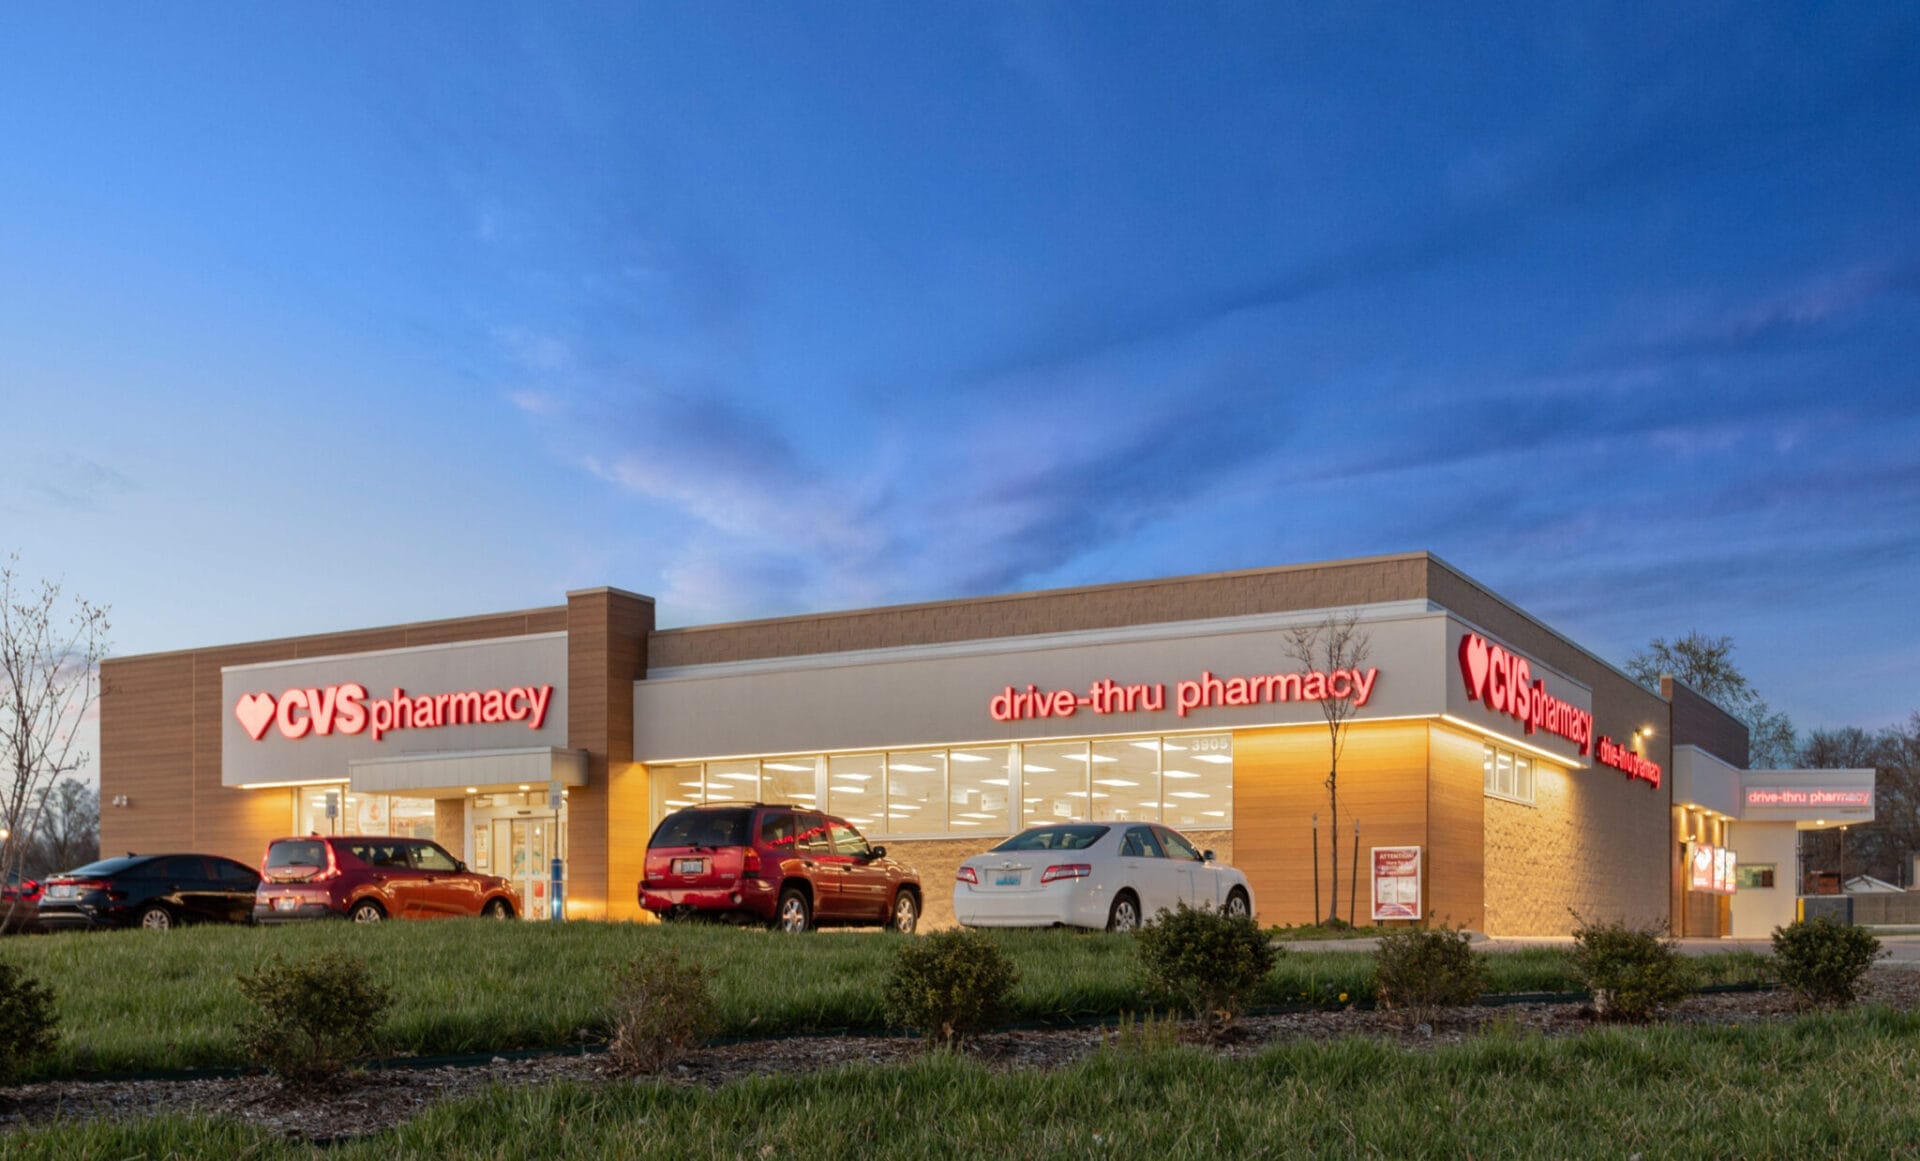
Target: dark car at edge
[[155, 892]]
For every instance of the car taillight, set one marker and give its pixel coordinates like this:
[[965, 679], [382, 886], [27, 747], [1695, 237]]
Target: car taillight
[[1066, 871], [82, 886], [752, 864], [966, 875]]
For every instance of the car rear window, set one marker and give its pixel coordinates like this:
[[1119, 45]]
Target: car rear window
[[1055, 838], [703, 828], [106, 867], [297, 853]]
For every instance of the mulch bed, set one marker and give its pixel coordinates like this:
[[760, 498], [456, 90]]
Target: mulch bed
[[368, 1102]]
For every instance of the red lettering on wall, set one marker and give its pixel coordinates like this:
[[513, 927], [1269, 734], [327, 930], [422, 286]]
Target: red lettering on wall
[[1504, 683], [345, 709], [1107, 696], [1612, 753]]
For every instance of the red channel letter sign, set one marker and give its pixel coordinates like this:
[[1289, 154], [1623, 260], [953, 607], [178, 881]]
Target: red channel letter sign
[[1505, 682], [1611, 753], [345, 709], [1107, 696]]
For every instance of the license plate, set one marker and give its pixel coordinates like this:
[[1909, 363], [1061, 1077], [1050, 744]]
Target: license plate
[[285, 903], [1007, 879], [60, 892], [689, 866]]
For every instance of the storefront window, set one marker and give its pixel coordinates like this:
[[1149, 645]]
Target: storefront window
[[1197, 780], [1185, 781], [1126, 780], [789, 780], [854, 789], [733, 781], [1054, 780], [310, 809], [412, 817], [916, 792], [982, 790]]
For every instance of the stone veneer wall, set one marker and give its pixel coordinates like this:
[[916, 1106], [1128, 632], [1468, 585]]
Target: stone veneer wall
[[938, 859], [1584, 847]]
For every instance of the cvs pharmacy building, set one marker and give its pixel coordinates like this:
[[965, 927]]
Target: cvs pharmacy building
[[1500, 776]]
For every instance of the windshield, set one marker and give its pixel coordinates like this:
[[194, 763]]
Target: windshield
[[703, 828], [1055, 838]]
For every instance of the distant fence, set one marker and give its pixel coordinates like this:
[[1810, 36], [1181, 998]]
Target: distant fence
[[1887, 909]]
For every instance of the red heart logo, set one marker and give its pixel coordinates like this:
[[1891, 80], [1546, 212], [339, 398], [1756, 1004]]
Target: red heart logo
[[1473, 663], [255, 712]]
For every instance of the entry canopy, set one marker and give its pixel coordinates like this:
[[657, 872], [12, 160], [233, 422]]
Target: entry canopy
[[427, 773]]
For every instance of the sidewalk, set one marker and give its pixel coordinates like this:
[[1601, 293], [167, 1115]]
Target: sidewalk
[[1902, 945]]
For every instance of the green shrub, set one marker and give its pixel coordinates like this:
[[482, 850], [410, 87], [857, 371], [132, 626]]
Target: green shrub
[[952, 985], [1418, 969], [662, 1007], [1823, 961], [308, 1021], [1631, 971], [28, 1026], [1206, 961]]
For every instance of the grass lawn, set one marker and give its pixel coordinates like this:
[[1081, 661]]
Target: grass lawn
[[139, 1001], [1826, 1086]]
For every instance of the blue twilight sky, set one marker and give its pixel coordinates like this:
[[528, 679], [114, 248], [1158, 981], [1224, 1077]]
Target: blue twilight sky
[[316, 317]]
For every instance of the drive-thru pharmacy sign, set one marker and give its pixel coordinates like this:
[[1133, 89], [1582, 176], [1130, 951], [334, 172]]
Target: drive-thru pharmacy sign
[[1207, 691], [347, 709]]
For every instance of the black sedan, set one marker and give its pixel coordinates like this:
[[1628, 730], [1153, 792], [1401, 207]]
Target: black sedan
[[156, 892]]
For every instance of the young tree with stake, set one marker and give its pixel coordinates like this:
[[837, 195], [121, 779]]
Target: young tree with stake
[[1335, 643]]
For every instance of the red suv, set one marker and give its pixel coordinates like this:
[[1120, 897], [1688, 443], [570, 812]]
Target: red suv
[[787, 866], [367, 878]]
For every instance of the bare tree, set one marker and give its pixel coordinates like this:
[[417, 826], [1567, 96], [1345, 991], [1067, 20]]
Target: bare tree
[[1706, 664], [1335, 643], [69, 834], [49, 676]]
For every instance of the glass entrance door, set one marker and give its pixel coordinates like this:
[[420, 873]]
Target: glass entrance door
[[525, 849]]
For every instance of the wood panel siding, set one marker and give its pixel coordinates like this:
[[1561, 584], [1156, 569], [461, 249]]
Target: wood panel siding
[[1278, 786], [1456, 829], [146, 753]]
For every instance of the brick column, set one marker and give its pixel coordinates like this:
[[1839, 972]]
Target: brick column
[[606, 653]]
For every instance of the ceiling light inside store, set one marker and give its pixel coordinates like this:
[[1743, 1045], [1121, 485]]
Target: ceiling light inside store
[[1146, 745], [993, 782], [963, 756], [524, 786], [732, 776], [790, 767], [1216, 759], [1181, 774], [853, 776], [1214, 813], [897, 807], [804, 794], [1188, 794], [964, 822], [1113, 782], [910, 769], [473, 790], [1032, 769], [977, 814]]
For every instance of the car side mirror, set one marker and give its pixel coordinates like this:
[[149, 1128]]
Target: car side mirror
[[1206, 856], [877, 853], [459, 866]]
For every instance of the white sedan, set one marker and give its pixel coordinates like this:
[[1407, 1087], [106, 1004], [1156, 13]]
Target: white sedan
[[1112, 875]]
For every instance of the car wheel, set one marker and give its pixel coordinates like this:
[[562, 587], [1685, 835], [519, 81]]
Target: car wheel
[[367, 911], [1125, 913], [497, 909], [906, 913], [156, 918], [795, 914], [1237, 905]]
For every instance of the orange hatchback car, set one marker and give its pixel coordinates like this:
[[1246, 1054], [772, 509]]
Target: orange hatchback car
[[368, 878]]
